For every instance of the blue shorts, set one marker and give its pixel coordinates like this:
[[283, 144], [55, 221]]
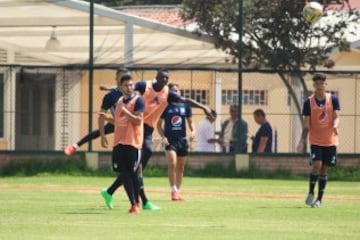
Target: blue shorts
[[180, 146], [327, 155]]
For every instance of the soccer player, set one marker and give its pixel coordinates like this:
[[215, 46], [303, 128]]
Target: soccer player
[[128, 139], [108, 103], [321, 121], [156, 95], [173, 135]]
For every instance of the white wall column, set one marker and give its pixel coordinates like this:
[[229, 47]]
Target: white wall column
[[217, 92], [10, 100]]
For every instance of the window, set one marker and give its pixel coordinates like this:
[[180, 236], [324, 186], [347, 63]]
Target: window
[[202, 96], [2, 105], [229, 97], [249, 97]]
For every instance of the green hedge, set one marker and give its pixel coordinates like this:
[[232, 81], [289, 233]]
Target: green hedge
[[78, 167]]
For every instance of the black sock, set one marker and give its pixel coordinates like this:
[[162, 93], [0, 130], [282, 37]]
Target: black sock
[[322, 185], [89, 137], [312, 182], [129, 188], [116, 184], [141, 189], [135, 181]]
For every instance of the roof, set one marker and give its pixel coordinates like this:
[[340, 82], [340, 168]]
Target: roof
[[132, 36], [169, 14], [119, 37]]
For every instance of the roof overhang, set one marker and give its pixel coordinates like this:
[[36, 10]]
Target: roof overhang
[[119, 38]]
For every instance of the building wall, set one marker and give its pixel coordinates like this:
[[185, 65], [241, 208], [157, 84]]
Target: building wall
[[282, 116]]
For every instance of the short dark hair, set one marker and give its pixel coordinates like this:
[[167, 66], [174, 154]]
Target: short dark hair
[[161, 72], [213, 112], [171, 85], [259, 112], [124, 78], [122, 70], [233, 107], [319, 76]]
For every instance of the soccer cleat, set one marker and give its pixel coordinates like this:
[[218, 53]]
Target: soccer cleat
[[309, 199], [149, 206], [107, 198], [69, 150], [316, 204], [175, 196], [134, 209]]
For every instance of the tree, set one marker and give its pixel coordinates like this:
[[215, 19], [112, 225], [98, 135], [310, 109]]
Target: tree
[[275, 36]]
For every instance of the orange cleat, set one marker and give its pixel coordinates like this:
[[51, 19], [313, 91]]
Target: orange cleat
[[69, 150], [134, 209], [175, 196]]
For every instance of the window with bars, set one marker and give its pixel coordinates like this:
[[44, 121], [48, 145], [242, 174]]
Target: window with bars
[[249, 97], [201, 96]]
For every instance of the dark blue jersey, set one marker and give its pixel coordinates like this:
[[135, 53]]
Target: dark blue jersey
[[174, 117], [110, 100], [172, 97], [265, 130], [306, 108], [139, 104]]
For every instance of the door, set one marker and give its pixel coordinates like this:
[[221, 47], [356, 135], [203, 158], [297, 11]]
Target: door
[[35, 102]]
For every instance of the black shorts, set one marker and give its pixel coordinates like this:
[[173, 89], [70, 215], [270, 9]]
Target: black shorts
[[327, 155], [180, 146], [125, 158]]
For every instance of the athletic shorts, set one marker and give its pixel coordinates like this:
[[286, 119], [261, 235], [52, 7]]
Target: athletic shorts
[[125, 158], [180, 146], [327, 155]]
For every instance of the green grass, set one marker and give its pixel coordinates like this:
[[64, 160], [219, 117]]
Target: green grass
[[70, 207]]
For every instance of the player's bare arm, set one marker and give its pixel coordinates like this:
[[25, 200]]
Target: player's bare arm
[[159, 127], [135, 118], [192, 103], [191, 128], [336, 122], [302, 143], [101, 123], [106, 88]]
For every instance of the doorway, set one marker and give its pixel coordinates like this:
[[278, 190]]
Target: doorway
[[35, 103]]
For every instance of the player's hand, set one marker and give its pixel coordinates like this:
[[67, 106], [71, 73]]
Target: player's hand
[[208, 113], [192, 136], [300, 147], [104, 142], [102, 88], [165, 141], [221, 142]]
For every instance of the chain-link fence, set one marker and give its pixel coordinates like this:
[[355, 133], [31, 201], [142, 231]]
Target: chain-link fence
[[47, 108]]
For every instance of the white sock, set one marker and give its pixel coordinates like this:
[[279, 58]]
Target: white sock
[[76, 146], [174, 188]]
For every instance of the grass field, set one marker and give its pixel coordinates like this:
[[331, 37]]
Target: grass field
[[64, 207]]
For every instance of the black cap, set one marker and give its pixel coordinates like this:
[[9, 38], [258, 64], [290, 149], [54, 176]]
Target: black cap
[[319, 76]]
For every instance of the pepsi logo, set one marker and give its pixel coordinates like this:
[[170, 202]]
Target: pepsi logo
[[176, 121]]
